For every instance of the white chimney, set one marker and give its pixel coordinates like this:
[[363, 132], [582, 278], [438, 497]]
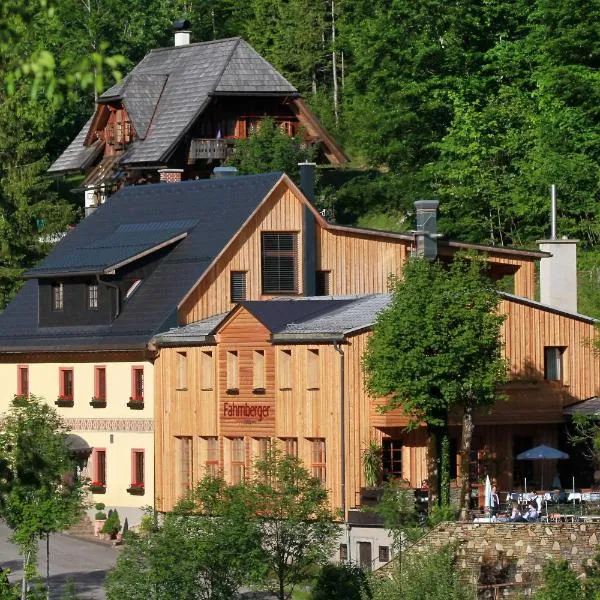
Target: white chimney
[[558, 273], [182, 32]]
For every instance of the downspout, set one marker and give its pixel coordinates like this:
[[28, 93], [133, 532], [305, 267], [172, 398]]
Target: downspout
[[338, 349], [118, 296]]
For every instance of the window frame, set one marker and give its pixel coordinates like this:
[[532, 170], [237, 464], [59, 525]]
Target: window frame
[[98, 395], [207, 372], [185, 467], [57, 296], [233, 371], [313, 369], [318, 456], [289, 443], [61, 383], [284, 368], [22, 390], [268, 271], [98, 481], [135, 397], [558, 363], [213, 455], [181, 369], [323, 282], [258, 371], [138, 480], [92, 301], [235, 461], [234, 297]]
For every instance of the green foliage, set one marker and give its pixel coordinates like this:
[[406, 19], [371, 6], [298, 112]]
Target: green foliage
[[36, 497], [430, 576], [341, 582], [268, 149], [298, 529], [560, 582], [372, 463], [584, 434], [441, 514], [112, 525]]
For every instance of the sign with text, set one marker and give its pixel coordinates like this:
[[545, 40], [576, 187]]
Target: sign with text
[[245, 417]]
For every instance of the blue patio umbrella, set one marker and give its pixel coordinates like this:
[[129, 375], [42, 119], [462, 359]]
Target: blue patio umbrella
[[542, 452]]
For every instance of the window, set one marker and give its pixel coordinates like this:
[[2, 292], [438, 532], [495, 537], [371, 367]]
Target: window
[[185, 449], [553, 370], [319, 459], [238, 460], [392, 459], [99, 467], [285, 369], [384, 554], [100, 383], [279, 263], [212, 456], [206, 370], [137, 384], [258, 370], [238, 286], [232, 371], [137, 468], [57, 296], [290, 446], [66, 384], [343, 552], [322, 285], [22, 380], [312, 370], [92, 296], [181, 358]]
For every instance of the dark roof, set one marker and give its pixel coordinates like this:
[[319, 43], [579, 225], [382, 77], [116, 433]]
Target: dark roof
[[211, 211], [591, 406], [168, 90], [548, 308]]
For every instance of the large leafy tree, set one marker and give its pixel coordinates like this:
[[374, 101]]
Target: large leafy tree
[[38, 493], [437, 347]]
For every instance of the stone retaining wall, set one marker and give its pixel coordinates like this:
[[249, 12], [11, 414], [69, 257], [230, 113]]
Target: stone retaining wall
[[520, 549]]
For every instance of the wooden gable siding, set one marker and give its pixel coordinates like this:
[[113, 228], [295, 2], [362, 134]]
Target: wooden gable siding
[[180, 412], [358, 263], [528, 329], [282, 212]]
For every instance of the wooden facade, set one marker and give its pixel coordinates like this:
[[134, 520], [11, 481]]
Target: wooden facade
[[295, 400]]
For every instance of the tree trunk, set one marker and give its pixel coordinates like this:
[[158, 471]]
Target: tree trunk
[[465, 463], [433, 475], [444, 468], [26, 559], [334, 66]]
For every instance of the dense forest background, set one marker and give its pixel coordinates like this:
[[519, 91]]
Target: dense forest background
[[481, 104]]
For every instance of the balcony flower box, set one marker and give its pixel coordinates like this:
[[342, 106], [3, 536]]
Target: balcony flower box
[[136, 489], [233, 391], [259, 391], [98, 402], [136, 403], [98, 487], [65, 401]]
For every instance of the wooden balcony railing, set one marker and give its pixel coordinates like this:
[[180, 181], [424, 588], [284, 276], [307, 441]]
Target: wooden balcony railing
[[203, 148]]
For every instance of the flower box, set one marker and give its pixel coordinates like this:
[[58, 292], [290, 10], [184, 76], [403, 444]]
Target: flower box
[[232, 391], [136, 403], [64, 401], [259, 391], [136, 489], [98, 402], [97, 487]]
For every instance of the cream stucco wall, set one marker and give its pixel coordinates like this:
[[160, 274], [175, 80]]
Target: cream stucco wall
[[115, 428]]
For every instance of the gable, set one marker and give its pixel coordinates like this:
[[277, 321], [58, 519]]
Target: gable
[[242, 327]]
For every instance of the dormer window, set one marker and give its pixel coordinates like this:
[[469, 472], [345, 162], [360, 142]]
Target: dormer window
[[92, 296], [57, 296]]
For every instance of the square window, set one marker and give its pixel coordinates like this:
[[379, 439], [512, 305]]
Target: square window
[[279, 263], [238, 286]]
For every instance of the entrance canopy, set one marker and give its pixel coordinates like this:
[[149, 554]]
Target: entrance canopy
[[78, 446]]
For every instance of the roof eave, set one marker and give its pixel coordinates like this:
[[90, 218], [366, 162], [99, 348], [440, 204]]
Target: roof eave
[[307, 338], [183, 341]]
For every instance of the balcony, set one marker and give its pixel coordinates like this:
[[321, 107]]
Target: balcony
[[205, 148]]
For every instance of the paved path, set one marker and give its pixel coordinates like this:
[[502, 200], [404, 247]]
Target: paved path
[[85, 563]]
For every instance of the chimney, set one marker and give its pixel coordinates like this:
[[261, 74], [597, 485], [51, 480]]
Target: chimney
[[307, 185], [558, 273], [182, 29], [170, 175], [426, 234], [220, 172]]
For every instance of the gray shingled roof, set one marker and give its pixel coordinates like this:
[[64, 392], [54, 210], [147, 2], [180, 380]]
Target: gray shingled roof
[[211, 211], [169, 89], [77, 156], [591, 406], [292, 320]]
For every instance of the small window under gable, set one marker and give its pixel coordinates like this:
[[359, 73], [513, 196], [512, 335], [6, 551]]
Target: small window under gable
[[238, 286]]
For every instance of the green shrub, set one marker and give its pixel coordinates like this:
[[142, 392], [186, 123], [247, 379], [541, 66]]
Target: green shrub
[[341, 582], [560, 583], [112, 526], [100, 516], [100, 506]]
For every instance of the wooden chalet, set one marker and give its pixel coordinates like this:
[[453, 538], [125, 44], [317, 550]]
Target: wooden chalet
[[178, 113]]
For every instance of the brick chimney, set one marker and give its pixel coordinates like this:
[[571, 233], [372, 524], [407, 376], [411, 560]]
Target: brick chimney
[[170, 175]]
